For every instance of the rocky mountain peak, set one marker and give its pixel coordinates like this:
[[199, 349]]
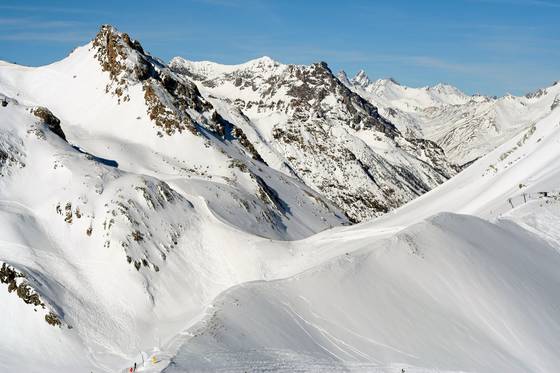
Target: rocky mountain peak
[[343, 77], [167, 95], [109, 34], [361, 79], [122, 56], [536, 94]]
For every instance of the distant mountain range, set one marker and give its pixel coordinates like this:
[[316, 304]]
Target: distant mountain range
[[466, 127]]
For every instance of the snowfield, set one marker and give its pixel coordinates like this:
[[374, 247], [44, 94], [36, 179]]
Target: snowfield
[[432, 297], [148, 217]]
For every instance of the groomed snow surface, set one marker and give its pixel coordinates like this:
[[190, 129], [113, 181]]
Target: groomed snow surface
[[142, 263]]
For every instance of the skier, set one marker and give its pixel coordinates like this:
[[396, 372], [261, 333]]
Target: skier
[[134, 366]]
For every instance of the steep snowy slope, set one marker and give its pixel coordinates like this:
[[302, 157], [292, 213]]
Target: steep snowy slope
[[122, 261], [305, 122], [412, 290], [466, 127], [434, 298], [117, 102], [100, 264]]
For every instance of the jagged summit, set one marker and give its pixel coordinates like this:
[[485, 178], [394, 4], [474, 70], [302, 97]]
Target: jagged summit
[[168, 96], [121, 55], [343, 77], [361, 78], [109, 33]]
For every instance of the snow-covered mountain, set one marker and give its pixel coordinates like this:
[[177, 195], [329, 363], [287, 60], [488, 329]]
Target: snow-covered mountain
[[126, 205], [420, 289], [306, 123], [466, 127], [162, 215], [123, 105]]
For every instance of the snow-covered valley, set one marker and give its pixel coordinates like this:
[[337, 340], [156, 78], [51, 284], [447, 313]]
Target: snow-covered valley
[[193, 217]]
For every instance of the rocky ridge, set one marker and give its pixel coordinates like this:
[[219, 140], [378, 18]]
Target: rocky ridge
[[310, 124]]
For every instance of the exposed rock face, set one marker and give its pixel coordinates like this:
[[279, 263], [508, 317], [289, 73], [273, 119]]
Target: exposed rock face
[[17, 283], [122, 57], [172, 101], [556, 103], [537, 94], [52, 122], [168, 96], [227, 129], [326, 134], [318, 83]]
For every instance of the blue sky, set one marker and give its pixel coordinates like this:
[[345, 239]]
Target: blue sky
[[486, 46]]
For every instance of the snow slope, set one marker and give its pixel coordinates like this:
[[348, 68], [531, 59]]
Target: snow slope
[[123, 261], [466, 127], [417, 289], [431, 298]]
